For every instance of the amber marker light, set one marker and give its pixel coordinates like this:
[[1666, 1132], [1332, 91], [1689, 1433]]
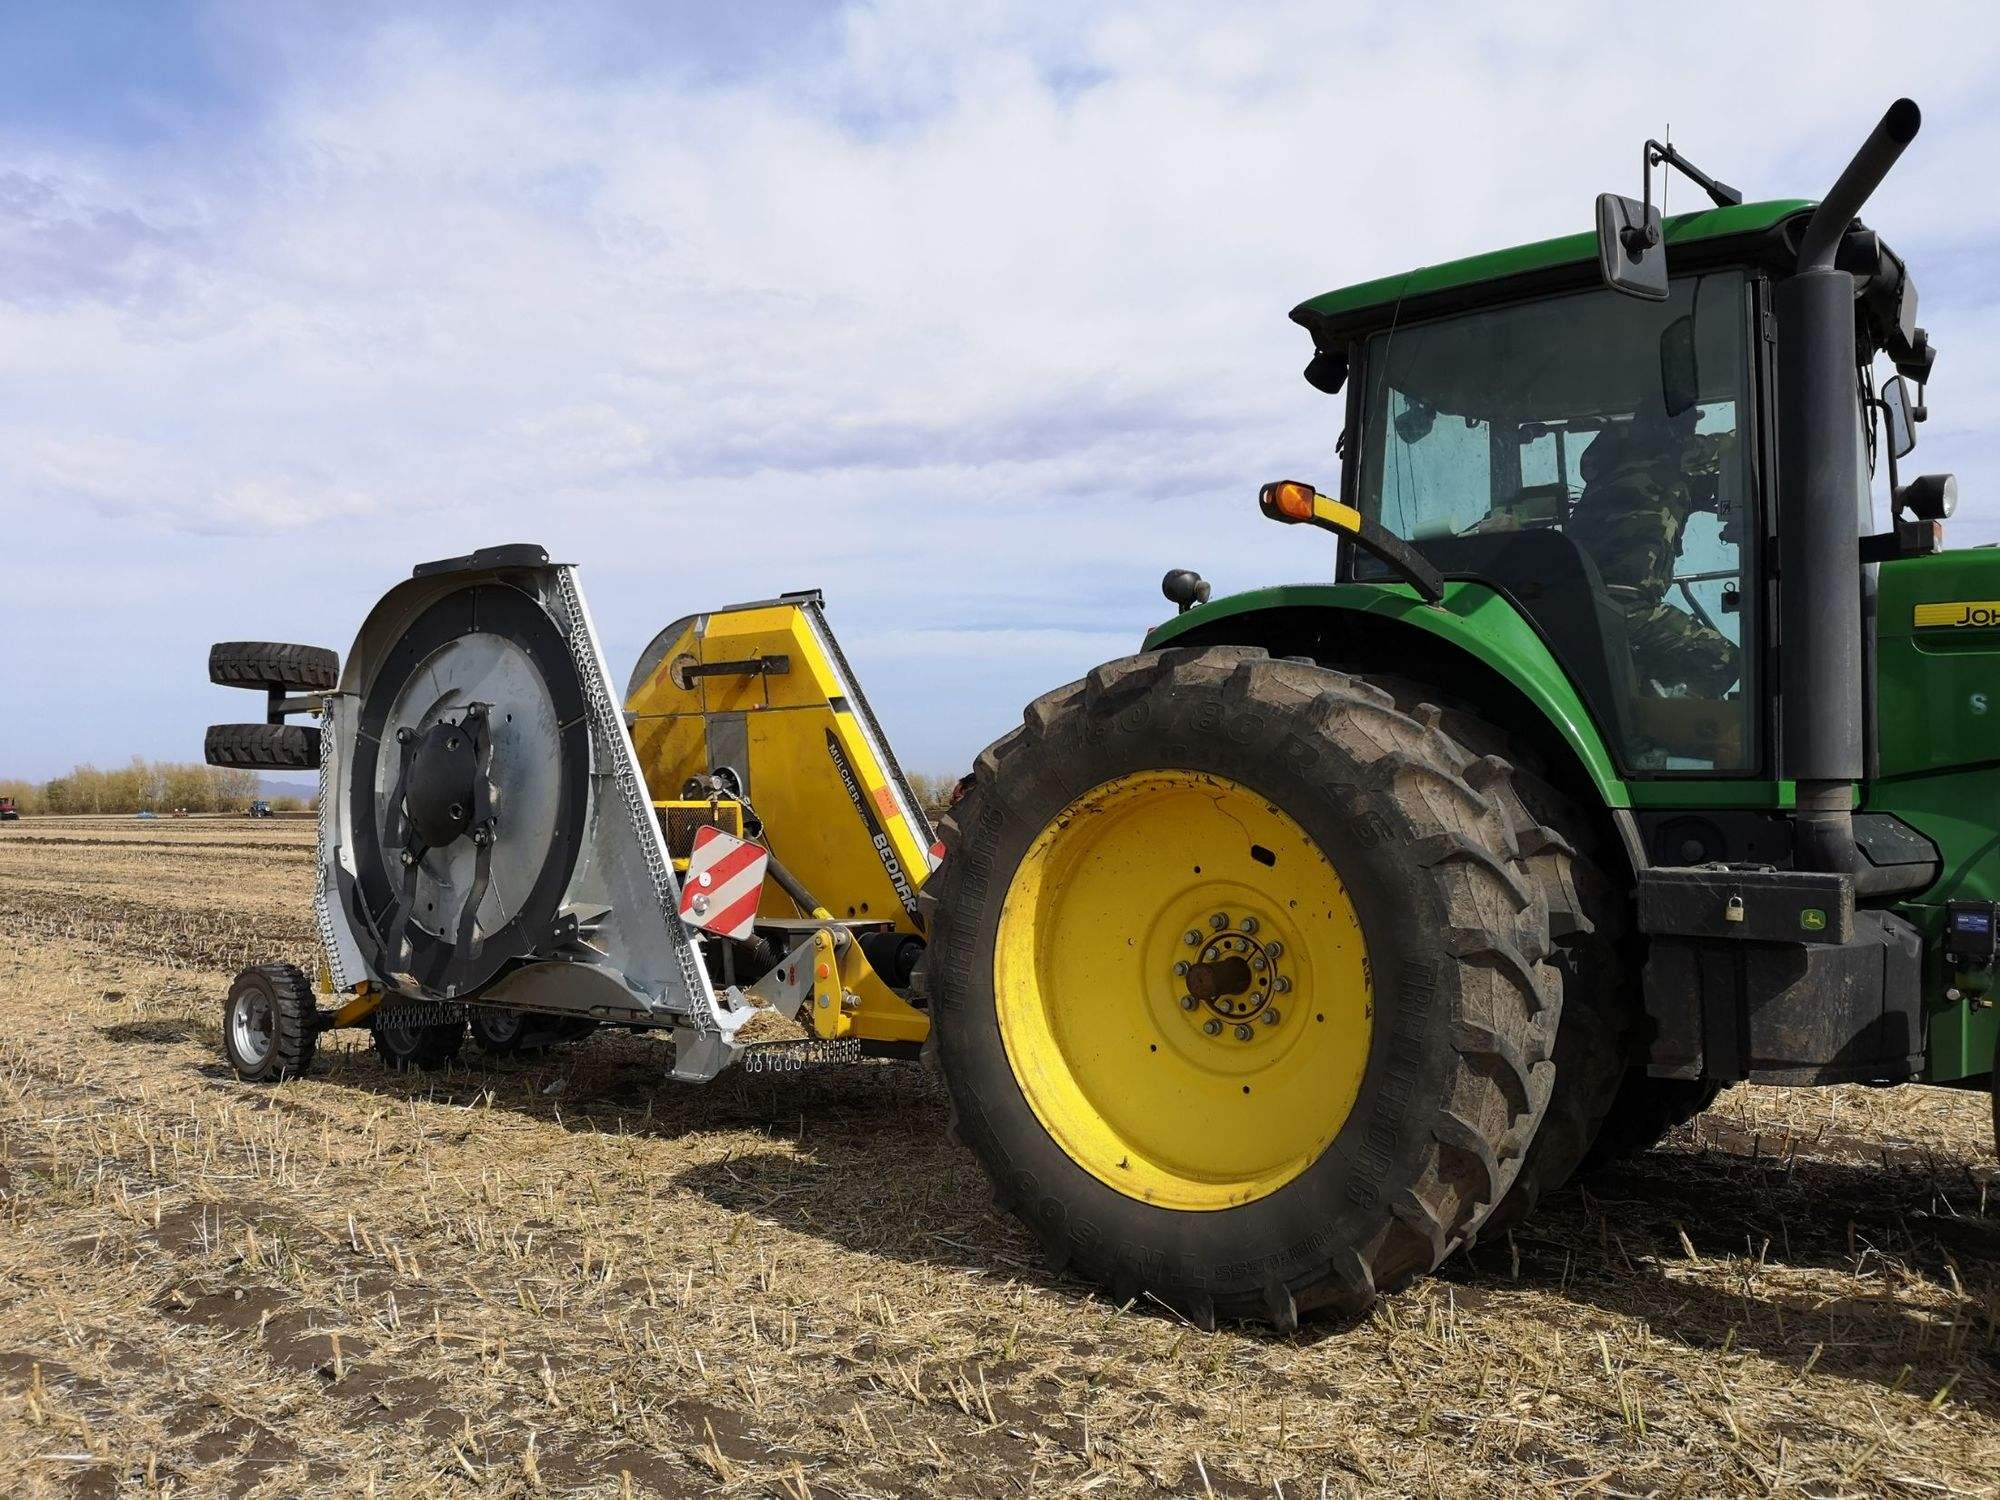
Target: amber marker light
[[1287, 500]]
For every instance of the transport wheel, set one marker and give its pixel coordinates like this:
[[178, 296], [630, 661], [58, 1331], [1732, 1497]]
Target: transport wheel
[[1240, 983], [261, 747], [422, 1047], [273, 664], [1642, 1114], [514, 1033], [501, 1033], [1587, 919], [268, 1025]]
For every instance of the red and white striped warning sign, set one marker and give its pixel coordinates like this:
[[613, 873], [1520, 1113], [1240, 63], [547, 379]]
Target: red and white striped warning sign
[[725, 879]]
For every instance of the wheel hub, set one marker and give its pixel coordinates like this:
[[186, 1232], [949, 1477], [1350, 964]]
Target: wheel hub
[[253, 1023], [1233, 976]]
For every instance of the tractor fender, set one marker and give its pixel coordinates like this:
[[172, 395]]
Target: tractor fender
[[1474, 643]]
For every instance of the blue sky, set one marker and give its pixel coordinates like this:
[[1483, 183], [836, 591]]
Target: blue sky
[[972, 315]]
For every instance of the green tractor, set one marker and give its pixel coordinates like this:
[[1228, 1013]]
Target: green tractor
[[1624, 756]]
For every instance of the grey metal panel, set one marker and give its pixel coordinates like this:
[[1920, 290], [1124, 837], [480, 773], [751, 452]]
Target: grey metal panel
[[729, 745]]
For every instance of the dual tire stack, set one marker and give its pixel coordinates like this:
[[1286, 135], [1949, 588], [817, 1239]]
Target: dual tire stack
[[285, 673]]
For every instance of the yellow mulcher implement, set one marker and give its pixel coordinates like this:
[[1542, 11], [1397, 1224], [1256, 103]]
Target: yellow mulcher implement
[[733, 861]]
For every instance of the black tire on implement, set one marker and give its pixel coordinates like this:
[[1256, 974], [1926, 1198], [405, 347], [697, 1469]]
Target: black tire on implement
[[1465, 1005], [1588, 922], [512, 1033], [425, 1048], [269, 1028], [262, 747], [273, 664], [501, 1033]]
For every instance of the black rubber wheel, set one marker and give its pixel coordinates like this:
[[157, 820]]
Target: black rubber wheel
[[425, 1048], [1642, 1114], [263, 747], [1593, 952], [1463, 1007], [273, 664], [268, 1024], [499, 1032]]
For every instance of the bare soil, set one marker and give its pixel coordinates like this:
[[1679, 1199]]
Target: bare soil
[[568, 1275]]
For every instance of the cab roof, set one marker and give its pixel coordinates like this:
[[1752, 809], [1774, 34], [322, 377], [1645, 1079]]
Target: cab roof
[[1454, 279]]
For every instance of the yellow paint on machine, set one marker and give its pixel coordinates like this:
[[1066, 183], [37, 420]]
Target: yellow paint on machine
[[1331, 512], [1958, 613], [1183, 990], [821, 777]]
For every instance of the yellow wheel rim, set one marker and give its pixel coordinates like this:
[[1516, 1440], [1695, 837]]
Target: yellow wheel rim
[[1183, 990]]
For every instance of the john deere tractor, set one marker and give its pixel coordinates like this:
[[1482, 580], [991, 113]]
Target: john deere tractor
[[1624, 755]]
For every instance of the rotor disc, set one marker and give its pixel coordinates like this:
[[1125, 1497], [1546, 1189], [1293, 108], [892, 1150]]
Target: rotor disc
[[468, 789]]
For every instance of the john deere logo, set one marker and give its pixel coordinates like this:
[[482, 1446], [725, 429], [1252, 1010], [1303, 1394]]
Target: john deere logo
[[1959, 612]]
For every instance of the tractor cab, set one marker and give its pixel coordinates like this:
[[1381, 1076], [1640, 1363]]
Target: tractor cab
[[1604, 461]]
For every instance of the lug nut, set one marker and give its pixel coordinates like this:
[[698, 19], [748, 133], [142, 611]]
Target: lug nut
[[1274, 950], [1248, 924], [1219, 921], [1244, 1033], [1191, 937], [1212, 1027], [405, 735], [408, 858], [1180, 968], [1187, 1002], [1272, 1018], [1260, 962], [1281, 984]]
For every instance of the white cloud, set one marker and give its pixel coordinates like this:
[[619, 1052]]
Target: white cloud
[[971, 316]]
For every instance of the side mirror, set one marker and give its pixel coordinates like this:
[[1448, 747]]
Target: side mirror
[[1896, 405], [1630, 251], [1680, 376]]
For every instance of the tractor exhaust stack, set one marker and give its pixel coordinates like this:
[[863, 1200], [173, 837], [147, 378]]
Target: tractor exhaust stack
[[1821, 482]]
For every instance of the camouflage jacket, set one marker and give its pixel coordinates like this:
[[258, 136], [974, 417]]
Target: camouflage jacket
[[1631, 514]]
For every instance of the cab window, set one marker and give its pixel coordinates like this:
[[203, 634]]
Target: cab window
[[1588, 455]]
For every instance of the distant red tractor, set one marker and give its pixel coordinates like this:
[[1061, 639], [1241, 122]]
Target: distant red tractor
[[9, 812]]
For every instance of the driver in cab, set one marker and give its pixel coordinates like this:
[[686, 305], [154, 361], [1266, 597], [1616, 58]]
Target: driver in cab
[[1641, 481]]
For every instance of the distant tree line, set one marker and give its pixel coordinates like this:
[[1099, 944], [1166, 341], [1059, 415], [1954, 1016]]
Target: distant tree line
[[144, 786]]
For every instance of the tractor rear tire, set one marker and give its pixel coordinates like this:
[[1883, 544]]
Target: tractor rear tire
[[273, 665], [269, 1028], [424, 1048], [263, 747], [1643, 1114], [1188, 800], [1587, 919]]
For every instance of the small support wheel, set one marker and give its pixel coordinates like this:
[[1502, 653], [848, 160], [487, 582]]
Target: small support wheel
[[505, 1033], [268, 1026], [513, 1033], [427, 1047]]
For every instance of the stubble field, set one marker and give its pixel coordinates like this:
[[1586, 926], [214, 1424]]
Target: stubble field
[[569, 1276]]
